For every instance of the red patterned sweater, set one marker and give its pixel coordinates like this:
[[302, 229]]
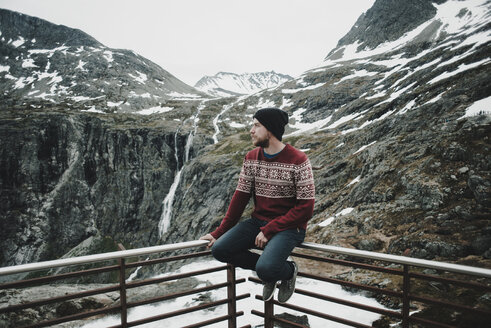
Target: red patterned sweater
[[283, 187]]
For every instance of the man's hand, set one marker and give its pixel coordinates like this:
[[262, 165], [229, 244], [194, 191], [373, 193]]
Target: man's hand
[[261, 240], [210, 238]]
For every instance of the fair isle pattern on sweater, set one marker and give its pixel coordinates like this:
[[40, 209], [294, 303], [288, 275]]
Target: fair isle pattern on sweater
[[277, 180]]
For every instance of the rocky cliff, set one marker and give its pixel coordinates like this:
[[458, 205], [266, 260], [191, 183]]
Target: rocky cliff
[[68, 176]]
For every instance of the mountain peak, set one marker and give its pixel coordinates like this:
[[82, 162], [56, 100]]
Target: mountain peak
[[17, 25], [225, 84], [386, 21], [414, 25]]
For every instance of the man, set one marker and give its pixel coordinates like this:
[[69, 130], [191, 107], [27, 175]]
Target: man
[[280, 179]]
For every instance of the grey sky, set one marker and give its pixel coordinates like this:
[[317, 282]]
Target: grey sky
[[193, 38]]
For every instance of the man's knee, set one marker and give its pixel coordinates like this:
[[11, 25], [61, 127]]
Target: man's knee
[[220, 253], [266, 272]]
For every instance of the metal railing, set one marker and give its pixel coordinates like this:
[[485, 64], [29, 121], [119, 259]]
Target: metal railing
[[123, 286], [480, 316], [410, 284]]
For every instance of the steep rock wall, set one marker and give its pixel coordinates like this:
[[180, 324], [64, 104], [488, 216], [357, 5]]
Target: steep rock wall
[[66, 177]]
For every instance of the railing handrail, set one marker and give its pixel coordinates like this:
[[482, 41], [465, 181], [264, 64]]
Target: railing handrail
[[100, 257], [456, 268], [450, 267]]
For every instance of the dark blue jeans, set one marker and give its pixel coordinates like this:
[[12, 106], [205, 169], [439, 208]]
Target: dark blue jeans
[[233, 247]]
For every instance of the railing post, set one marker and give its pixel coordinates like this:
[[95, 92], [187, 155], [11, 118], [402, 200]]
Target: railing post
[[122, 293], [405, 297], [269, 314], [232, 296], [122, 289]]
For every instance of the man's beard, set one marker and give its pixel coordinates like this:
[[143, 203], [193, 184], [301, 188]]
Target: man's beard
[[264, 143]]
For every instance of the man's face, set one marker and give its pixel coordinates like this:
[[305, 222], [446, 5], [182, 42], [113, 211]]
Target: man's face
[[259, 134]]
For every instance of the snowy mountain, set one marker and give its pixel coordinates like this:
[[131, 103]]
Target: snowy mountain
[[225, 84], [396, 122], [42, 64], [365, 80], [382, 118]]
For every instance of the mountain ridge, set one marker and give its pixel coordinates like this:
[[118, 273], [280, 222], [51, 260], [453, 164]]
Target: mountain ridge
[[13, 24], [76, 69], [388, 20], [224, 84]]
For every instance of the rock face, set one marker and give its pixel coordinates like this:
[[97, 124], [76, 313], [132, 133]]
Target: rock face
[[67, 177], [43, 64]]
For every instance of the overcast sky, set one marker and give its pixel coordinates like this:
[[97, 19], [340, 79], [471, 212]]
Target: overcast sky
[[193, 38]]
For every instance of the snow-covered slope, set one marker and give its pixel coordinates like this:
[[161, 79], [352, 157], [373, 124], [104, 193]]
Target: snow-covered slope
[[453, 22], [230, 84], [444, 56], [43, 64]]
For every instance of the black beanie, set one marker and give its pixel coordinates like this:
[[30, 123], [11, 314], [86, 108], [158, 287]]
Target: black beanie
[[273, 119]]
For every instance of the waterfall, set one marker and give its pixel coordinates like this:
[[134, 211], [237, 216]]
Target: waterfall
[[167, 203], [215, 122], [165, 217]]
